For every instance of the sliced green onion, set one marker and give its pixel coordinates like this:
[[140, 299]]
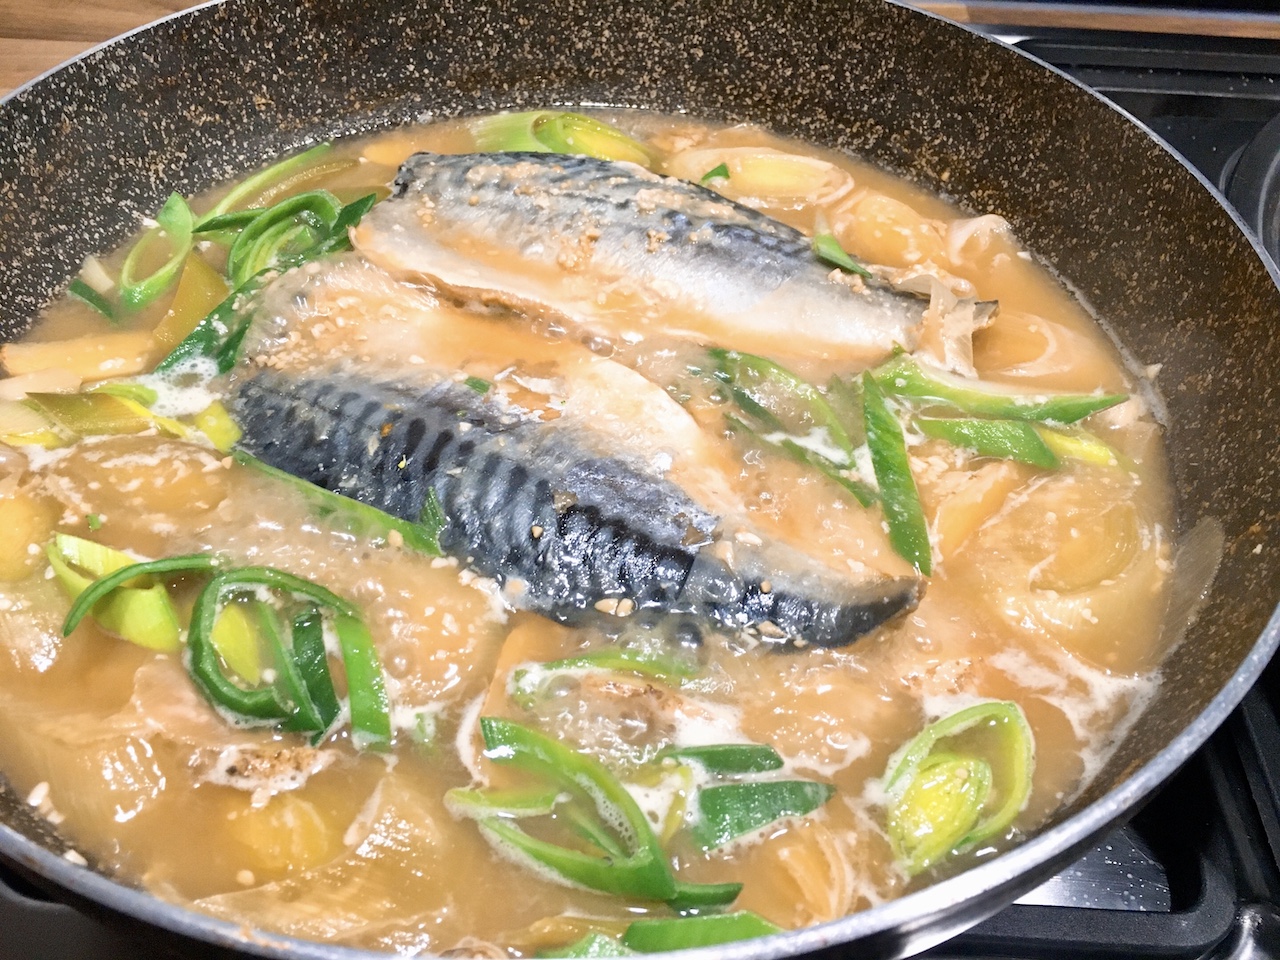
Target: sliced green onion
[[697, 897], [908, 532], [91, 414], [508, 132], [251, 187], [660, 934], [228, 222], [730, 758], [861, 492], [719, 172], [139, 393], [938, 809], [477, 804], [352, 516], [85, 602], [215, 423], [577, 134], [901, 376], [262, 704], [828, 249], [1006, 439], [478, 384], [175, 222], [218, 336], [778, 398], [945, 797], [731, 810], [1080, 444], [313, 665], [366, 687], [594, 944], [305, 717], [94, 521], [143, 615], [643, 872], [236, 640], [278, 235], [91, 297]]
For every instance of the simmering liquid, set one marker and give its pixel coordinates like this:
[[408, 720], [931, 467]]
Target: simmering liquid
[[1047, 589]]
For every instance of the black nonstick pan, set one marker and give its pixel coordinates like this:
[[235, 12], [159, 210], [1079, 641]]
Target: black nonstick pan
[[1137, 235]]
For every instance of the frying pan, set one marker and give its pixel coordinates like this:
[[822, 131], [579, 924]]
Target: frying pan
[[1135, 233]]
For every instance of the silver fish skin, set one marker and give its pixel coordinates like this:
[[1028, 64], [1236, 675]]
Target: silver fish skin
[[569, 533], [567, 236]]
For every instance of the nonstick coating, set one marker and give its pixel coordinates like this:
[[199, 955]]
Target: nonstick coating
[[1140, 238]]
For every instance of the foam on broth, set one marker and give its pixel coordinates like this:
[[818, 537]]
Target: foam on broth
[[1048, 590]]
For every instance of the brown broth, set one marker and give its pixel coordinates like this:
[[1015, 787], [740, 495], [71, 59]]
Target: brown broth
[[1048, 590]]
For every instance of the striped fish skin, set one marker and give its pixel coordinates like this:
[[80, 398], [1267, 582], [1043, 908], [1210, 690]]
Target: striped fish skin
[[559, 528], [702, 266]]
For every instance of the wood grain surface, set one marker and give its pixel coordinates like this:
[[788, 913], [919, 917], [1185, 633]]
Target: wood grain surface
[[36, 36]]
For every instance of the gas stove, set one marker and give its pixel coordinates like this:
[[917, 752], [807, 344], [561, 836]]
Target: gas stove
[[1196, 874]]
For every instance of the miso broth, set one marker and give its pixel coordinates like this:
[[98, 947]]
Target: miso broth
[[1046, 585]]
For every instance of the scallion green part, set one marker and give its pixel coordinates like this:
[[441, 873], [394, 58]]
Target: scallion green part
[[594, 944], [730, 758], [351, 516], [908, 531], [92, 298], [366, 686], [1006, 439], [902, 376], [251, 187], [174, 222], [828, 249], [718, 172], [661, 934], [731, 810], [478, 384]]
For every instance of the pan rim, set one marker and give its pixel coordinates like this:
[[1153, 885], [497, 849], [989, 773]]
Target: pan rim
[[1001, 872]]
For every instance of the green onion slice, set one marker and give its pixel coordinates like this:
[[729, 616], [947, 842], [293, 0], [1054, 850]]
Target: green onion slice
[[828, 249], [594, 944], [730, 758], [779, 399], [351, 516], [1006, 439], [144, 615], [719, 172], [476, 803], [305, 716], [218, 336], [508, 132], [252, 188], [92, 298], [936, 816], [366, 686], [731, 810], [313, 665], [901, 376], [101, 587], [659, 935], [175, 223], [577, 134], [278, 235], [643, 871], [908, 532], [861, 492]]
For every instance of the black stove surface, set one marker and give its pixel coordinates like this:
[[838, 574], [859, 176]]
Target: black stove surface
[[1196, 874]]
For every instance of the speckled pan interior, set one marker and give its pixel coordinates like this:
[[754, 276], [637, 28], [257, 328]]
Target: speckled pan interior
[[200, 97]]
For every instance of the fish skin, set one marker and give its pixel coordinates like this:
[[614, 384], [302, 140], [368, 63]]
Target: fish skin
[[707, 268], [560, 528]]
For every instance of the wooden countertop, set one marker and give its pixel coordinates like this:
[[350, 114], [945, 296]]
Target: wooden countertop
[[35, 37]]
